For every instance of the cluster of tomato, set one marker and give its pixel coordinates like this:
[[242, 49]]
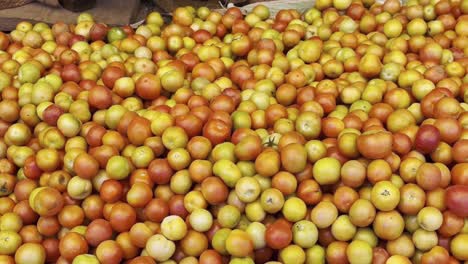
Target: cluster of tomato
[[339, 135]]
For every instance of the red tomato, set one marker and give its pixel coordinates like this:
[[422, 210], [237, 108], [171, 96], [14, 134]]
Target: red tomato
[[278, 235], [455, 198], [216, 131]]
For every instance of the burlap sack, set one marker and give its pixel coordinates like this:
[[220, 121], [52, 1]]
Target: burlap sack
[[276, 5], [4, 4]]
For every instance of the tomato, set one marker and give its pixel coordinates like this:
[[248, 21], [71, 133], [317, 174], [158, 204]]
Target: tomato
[[139, 130], [148, 86], [173, 227], [336, 252], [327, 170], [177, 207], [214, 190], [125, 243], [210, 256], [100, 97], [51, 246], [27, 214], [174, 137], [46, 202], [216, 131], [278, 235], [160, 248], [344, 197], [122, 217], [156, 210], [109, 252], [429, 101], [71, 216], [93, 207], [139, 195], [459, 151], [285, 182], [375, 144], [294, 157], [30, 253], [111, 191], [458, 247], [428, 176], [412, 199], [353, 173], [385, 196], [140, 233], [194, 243], [305, 233], [437, 254], [72, 245], [268, 162], [309, 191], [10, 242], [160, 171], [248, 148], [142, 260], [384, 220], [199, 147], [85, 258], [454, 197], [8, 181], [97, 231], [190, 123]]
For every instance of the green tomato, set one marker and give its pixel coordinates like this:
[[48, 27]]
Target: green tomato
[[115, 34]]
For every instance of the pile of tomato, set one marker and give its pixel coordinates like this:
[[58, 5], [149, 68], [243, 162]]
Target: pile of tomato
[[339, 135]]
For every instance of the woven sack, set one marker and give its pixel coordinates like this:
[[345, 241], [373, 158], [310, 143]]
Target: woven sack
[[276, 5], [13, 3], [4, 4]]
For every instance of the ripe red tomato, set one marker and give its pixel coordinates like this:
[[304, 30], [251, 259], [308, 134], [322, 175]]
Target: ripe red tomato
[[455, 199], [278, 235], [216, 131]]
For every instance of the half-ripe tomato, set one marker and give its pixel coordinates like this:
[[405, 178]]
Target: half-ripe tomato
[[110, 252], [459, 174], [30, 168], [139, 130], [429, 101], [248, 148], [148, 86], [223, 116], [460, 151], [294, 157]]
